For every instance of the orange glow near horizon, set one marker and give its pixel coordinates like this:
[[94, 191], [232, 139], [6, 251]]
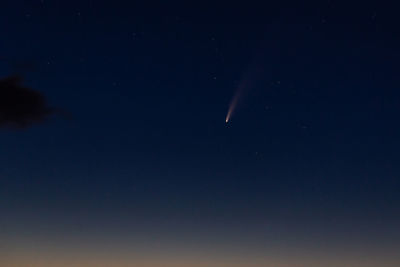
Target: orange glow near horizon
[[121, 254]]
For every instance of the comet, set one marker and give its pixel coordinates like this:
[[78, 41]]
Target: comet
[[243, 86], [253, 73], [233, 104]]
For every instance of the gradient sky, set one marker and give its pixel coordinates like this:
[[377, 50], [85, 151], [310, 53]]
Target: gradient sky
[[147, 173]]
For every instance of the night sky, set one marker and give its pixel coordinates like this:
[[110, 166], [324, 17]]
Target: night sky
[[135, 164]]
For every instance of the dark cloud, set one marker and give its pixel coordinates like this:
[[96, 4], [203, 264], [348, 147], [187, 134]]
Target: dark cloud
[[21, 106]]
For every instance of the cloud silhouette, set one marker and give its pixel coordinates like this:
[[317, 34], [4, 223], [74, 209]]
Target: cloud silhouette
[[20, 106]]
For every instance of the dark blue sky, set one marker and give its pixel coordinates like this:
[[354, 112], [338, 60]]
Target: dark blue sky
[[314, 140]]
